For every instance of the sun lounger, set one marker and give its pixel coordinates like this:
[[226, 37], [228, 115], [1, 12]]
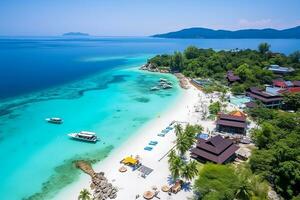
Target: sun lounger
[[161, 135], [148, 148], [153, 143]]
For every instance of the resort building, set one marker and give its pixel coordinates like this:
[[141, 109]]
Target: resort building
[[216, 150], [269, 98], [231, 78], [281, 86], [232, 123], [276, 69]]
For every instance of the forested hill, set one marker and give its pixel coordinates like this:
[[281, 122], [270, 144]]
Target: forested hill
[[222, 34]]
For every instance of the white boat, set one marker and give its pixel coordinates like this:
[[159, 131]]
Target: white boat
[[84, 136], [54, 120], [163, 80], [167, 86], [154, 88]]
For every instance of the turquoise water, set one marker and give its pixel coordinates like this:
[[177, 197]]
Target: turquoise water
[[31, 149], [93, 84]]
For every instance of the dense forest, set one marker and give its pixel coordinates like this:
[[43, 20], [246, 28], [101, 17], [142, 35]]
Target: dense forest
[[277, 157], [250, 65]]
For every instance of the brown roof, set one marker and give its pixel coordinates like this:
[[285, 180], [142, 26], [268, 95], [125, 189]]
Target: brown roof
[[216, 149], [231, 77], [232, 117], [263, 96], [232, 123], [251, 104]]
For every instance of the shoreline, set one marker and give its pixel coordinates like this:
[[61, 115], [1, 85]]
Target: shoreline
[[179, 111]]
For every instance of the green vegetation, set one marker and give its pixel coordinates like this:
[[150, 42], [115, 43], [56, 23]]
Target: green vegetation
[[179, 168], [186, 138], [84, 195], [214, 108], [292, 101], [250, 65], [277, 158], [224, 182]]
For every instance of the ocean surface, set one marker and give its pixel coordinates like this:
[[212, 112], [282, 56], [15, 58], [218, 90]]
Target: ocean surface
[[93, 84]]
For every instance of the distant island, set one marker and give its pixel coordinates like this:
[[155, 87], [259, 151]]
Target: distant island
[[75, 34], [239, 34]]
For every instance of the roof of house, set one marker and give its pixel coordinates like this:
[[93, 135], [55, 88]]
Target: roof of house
[[251, 104], [232, 120], [296, 83], [216, 149], [282, 83], [263, 96], [231, 77], [277, 68], [291, 90]]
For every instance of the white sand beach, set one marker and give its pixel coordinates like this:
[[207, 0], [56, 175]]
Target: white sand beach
[[131, 183]]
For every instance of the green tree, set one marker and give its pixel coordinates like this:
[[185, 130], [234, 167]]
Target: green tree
[[189, 170], [292, 101], [175, 165], [182, 144], [191, 52], [214, 108], [177, 61], [84, 195], [217, 182], [178, 129], [264, 48]]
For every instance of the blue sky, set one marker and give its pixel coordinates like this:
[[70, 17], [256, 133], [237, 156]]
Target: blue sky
[[142, 17]]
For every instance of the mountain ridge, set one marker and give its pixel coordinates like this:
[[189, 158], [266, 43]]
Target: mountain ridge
[[266, 33]]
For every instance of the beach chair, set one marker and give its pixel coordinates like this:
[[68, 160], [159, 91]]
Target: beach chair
[[148, 148], [153, 143], [161, 135], [176, 187]]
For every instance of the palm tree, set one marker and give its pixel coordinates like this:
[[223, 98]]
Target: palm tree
[[84, 195], [178, 129], [175, 167], [182, 144], [264, 48], [172, 156], [189, 171]]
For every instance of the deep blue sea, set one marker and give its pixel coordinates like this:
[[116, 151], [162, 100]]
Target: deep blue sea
[[30, 64], [93, 84]]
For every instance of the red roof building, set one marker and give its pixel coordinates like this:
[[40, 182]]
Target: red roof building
[[216, 150]]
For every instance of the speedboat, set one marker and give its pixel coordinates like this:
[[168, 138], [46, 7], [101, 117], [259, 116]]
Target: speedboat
[[85, 136], [163, 80], [154, 88], [167, 86], [54, 120]]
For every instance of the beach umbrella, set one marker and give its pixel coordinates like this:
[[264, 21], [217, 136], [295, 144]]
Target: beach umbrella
[[148, 195], [165, 188]]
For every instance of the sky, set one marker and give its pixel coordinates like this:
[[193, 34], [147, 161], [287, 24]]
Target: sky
[[141, 17]]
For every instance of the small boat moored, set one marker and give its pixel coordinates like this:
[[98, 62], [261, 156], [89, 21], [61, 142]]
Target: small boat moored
[[84, 136], [54, 120], [154, 88]]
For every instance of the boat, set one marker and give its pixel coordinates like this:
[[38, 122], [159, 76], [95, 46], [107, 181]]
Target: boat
[[154, 88], [54, 120], [163, 80], [84, 136], [167, 86]]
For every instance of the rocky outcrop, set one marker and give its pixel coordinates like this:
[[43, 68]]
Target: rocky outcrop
[[102, 189], [153, 68]]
